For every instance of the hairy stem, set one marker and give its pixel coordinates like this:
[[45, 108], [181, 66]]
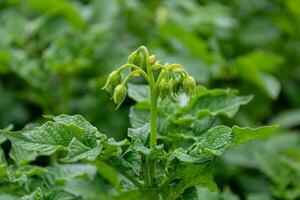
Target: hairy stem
[[146, 171], [153, 110], [153, 113]]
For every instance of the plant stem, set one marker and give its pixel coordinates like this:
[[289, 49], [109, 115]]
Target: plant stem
[[153, 112], [146, 171]]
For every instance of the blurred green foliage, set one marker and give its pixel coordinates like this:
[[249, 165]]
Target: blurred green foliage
[[55, 55]]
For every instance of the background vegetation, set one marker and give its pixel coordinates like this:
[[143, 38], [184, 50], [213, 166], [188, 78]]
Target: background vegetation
[[55, 56]]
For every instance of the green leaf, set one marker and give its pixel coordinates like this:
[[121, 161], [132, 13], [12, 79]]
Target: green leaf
[[113, 148], [287, 119], [242, 135], [138, 117], [253, 67], [61, 195], [259, 197], [2, 170], [228, 195], [189, 194], [185, 175], [139, 93], [21, 175], [196, 45], [271, 85], [205, 194], [36, 195], [194, 125], [215, 102], [139, 135], [3, 164], [59, 8], [22, 156], [2, 139], [107, 172], [134, 161], [2, 157], [4, 196], [78, 151], [47, 138], [82, 189], [264, 61], [61, 173], [71, 133], [122, 165], [90, 133], [214, 142], [183, 156], [30, 170]]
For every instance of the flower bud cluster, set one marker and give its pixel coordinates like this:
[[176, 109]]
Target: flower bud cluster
[[175, 81], [114, 86], [172, 79]]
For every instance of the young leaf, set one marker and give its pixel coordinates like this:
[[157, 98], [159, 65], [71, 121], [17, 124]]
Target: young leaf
[[90, 133], [185, 175], [22, 156], [214, 142], [36, 195], [216, 102], [139, 135], [78, 151], [242, 135]]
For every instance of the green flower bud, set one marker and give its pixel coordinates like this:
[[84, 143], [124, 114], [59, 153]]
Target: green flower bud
[[112, 81], [165, 88], [135, 73], [177, 85], [189, 85], [152, 59], [156, 66], [137, 58], [119, 94], [176, 68]]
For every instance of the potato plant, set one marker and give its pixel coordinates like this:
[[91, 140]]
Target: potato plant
[[174, 139]]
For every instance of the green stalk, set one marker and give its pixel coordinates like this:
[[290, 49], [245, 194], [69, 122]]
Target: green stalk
[[153, 112]]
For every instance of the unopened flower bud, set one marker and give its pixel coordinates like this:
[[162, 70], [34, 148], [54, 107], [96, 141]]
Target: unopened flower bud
[[151, 59], [135, 73], [177, 85], [176, 68], [156, 66], [137, 58], [112, 81], [189, 85], [165, 88], [119, 94]]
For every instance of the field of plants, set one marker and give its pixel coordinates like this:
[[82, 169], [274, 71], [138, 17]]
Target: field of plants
[[158, 100]]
